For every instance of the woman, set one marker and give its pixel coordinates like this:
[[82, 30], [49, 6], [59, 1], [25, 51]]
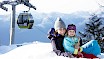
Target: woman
[[56, 35]]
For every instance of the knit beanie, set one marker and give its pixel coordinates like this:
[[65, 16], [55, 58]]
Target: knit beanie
[[71, 27], [59, 24]]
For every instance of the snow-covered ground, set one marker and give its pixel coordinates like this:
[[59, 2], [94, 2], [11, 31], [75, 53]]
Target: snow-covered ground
[[35, 50]]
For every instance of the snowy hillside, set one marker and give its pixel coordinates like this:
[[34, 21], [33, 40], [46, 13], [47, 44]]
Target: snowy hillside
[[31, 51], [35, 50]]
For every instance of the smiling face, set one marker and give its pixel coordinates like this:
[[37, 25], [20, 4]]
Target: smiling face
[[71, 33], [61, 31]]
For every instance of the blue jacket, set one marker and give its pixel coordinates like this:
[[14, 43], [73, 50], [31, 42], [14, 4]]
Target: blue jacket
[[69, 43]]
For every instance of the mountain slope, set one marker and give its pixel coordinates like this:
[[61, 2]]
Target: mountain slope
[[42, 23]]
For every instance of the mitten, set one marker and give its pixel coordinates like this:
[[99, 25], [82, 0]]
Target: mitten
[[51, 33]]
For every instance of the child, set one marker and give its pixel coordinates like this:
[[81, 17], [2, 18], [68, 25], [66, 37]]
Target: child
[[71, 44], [56, 35]]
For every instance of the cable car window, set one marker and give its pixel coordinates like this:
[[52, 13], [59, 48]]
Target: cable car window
[[25, 17], [19, 17], [25, 24], [30, 16]]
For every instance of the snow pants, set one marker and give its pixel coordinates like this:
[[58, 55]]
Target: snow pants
[[92, 47]]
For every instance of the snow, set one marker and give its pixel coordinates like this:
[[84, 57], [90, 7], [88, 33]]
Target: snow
[[35, 50]]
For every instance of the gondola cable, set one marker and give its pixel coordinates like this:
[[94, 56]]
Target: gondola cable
[[42, 30]]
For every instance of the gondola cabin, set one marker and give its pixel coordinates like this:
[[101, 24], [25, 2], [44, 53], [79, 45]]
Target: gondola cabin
[[25, 20]]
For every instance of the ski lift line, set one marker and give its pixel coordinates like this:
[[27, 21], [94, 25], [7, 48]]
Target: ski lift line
[[41, 30], [51, 20]]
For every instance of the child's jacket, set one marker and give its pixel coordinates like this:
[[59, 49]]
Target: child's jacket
[[69, 43]]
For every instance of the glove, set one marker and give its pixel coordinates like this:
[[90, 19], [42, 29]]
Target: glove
[[51, 33], [77, 46], [80, 55]]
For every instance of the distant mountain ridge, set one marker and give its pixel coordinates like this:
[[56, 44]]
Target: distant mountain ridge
[[42, 23]]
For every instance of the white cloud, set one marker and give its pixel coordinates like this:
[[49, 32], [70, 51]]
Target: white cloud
[[64, 6]]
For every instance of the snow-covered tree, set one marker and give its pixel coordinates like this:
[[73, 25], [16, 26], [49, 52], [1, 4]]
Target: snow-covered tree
[[94, 29]]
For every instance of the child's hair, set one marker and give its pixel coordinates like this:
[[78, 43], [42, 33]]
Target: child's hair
[[70, 27]]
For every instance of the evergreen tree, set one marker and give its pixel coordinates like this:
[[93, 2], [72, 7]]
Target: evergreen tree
[[94, 29]]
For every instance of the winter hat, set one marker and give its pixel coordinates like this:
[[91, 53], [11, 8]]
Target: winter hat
[[71, 27], [59, 24]]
